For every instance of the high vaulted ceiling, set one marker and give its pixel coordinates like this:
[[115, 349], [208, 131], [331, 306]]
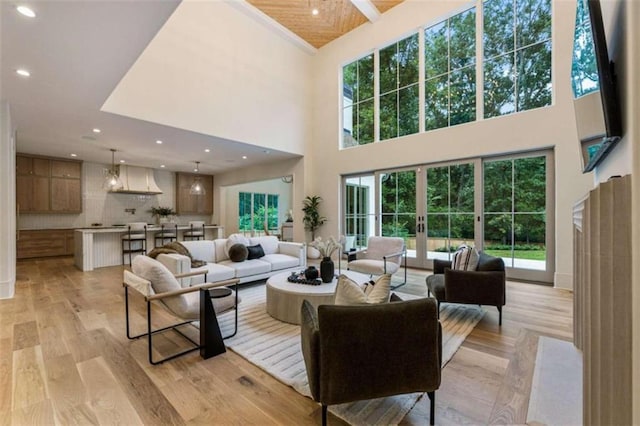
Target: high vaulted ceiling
[[334, 18], [78, 51]]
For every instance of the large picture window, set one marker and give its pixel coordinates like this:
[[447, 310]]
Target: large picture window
[[399, 109], [257, 213], [450, 71], [517, 55], [357, 102]]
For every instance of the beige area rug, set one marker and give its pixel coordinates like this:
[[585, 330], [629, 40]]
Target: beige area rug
[[274, 346]]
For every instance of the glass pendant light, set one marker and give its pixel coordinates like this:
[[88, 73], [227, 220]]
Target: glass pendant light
[[112, 181], [197, 188]]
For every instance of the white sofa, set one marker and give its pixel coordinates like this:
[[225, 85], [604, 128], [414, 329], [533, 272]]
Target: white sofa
[[279, 257]]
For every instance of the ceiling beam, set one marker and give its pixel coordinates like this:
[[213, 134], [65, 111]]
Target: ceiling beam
[[368, 9]]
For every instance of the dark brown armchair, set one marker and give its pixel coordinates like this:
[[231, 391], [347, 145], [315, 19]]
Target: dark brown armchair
[[347, 351], [484, 286]]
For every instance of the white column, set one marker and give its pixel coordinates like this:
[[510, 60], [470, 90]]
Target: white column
[[7, 203]]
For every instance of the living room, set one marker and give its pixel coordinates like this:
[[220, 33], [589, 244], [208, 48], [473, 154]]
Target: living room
[[291, 106]]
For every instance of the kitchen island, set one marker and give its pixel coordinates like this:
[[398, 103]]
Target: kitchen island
[[96, 247]]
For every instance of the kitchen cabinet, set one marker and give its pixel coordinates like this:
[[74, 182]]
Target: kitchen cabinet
[[48, 185], [44, 243], [193, 204]]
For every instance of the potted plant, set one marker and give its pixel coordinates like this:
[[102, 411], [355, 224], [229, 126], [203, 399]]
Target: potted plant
[[162, 213], [312, 220]]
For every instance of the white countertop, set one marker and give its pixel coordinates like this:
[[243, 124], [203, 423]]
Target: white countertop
[[123, 228]]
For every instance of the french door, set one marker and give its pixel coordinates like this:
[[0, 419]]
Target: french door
[[501, 205]]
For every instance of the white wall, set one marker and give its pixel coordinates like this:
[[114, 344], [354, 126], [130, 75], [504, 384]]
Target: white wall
[[214, 70], [8, 203], [272, 186], [553, 126], [99, 206]]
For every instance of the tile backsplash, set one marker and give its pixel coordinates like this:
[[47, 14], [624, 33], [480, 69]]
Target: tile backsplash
[[99, 206]]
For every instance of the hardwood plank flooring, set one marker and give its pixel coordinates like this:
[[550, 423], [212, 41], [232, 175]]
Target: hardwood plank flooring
[[65, 359]]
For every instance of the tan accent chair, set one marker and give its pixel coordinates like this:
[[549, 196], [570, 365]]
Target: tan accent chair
[[200, 303], [357, 352], [383, 255]]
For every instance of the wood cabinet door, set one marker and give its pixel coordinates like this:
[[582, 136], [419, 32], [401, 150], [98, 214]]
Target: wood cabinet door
[[66, 169], [26, 165], [65, 195], [193, 204], [32, 193]]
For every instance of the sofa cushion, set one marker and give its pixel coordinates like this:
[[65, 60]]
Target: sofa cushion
[[238, 253], [215, 272], [269, 243], [201, 249], [221, 249], [348, 292], [465, 258], [248, 267], [235, 239], [280, 261]]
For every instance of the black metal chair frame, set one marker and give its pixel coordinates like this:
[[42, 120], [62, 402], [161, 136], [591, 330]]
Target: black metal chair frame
[[194, 237], [129, 240], [352, 255], [161, 235], [210, 336]]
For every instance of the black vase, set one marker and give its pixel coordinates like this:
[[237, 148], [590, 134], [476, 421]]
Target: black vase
[[326, 269], [311, 273]]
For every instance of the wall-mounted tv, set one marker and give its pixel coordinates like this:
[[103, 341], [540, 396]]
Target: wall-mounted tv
[[594, 82]]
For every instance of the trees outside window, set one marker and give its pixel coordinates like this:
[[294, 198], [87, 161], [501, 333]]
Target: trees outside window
[[517, 55], [357, 102], [257, 212], [399, 109], [584, 71], [450, 71]]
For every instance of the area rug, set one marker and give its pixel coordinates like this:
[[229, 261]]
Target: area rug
[[275, 347]]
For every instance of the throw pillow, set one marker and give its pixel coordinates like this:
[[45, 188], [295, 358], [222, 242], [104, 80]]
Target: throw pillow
[[348, 292], [235, 239], [238, 253], [255, 252], [465, 258]]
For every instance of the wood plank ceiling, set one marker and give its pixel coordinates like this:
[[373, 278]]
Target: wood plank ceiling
[[334, 19]]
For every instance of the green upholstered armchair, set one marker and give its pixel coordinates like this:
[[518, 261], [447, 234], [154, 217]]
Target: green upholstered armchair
[[359, 352], [484, 286]]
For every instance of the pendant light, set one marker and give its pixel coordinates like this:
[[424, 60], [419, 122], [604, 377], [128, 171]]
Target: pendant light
[[112, 181], [197, 188]]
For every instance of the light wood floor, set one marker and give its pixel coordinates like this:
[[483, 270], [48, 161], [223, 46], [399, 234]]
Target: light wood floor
[[65, 359]]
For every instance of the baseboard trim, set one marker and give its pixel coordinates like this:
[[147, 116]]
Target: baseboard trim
[[7, 288], [562, 280]]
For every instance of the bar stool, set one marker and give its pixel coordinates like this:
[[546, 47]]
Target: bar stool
[[168, 231], [135, 240], [196, 230]]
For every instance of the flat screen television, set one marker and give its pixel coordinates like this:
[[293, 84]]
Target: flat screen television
[[597, 112]]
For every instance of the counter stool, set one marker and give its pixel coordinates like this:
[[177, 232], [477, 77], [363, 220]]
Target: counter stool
[[134, 240], [168, 231], [196, 230]]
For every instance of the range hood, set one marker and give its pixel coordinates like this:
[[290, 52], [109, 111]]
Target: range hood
[[137, 180]]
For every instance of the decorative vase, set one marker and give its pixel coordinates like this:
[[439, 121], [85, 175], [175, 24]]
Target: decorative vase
[[326, 269], [311, 273]]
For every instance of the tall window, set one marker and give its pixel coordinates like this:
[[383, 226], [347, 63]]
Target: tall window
[[584, 71], [517, 55], [399, 109], [357, 99], [515, 211], [257, 212], [359, 212], [450, 71]]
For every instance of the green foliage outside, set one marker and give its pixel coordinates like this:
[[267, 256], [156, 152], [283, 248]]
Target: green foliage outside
[[584, 71]]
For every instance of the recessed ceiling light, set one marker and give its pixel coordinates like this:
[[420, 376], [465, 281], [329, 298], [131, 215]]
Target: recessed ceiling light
[[122, 161], [159, 142], [96, 130], [162, 166], [23, 72], [315, 11], [26, 11], [207, 150], [244, 157], [74, 155]]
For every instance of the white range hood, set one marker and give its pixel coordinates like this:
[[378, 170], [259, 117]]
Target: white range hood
[[137, 180]]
